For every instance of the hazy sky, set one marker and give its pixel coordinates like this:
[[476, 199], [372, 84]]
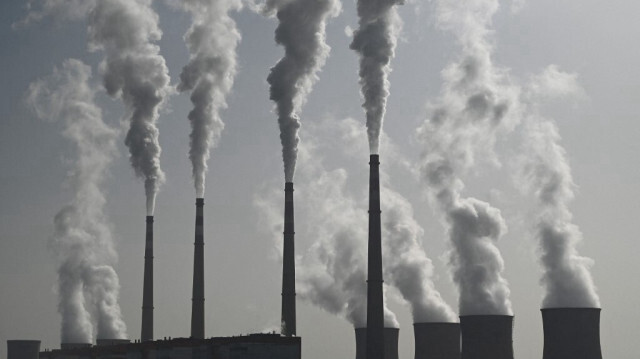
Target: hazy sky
[[595, 40]]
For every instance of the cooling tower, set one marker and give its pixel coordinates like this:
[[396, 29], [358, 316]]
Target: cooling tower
[[197, 300], [487, 336], [571, 333], [147, 291], [390, 343], [23, 349], [437, 340], [288, 266], [375, 305]]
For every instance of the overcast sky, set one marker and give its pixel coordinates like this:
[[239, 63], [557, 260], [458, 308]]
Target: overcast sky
[[601, 134]]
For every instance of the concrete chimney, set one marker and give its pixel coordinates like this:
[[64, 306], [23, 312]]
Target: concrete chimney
[[197, 300], [375, 305], [23, 349], [571, 333], [288, 319], [437, 340], [147, 291], [390, 343], [487, 336]]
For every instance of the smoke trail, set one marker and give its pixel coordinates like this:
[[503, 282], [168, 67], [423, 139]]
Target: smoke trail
[[212, 40], [375, 41], [133, 70], [476, 103], [566, 277], [301, 30], [407, 267], [82, 241]]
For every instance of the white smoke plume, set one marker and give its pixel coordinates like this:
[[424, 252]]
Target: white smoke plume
[[132, 70], [476, 103], [82, 242], [212, 40], [566, 277], [301, 31], [375, 41]]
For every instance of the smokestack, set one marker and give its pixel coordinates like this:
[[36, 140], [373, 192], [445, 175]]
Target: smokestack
[[197, 309], [487, 336], [375, 305], [390, 343], [147, 291], [571, 333], [288, 266], [437, 340], [23, 349]]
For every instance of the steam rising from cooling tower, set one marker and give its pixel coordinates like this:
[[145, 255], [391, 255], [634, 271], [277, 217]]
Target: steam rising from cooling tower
[[566, 277], [301, 30], [212, 40], [473, 107], [87, 283], [375, 41]]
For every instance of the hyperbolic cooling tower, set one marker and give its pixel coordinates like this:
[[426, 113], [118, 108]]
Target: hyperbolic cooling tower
[[197, 300], [23, 349], [571, 333], [390, 343], [375, 305], [147, 291], [487, 336], [288, 266], [437, 340]]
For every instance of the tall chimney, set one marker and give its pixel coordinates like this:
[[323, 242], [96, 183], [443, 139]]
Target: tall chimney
[[23, 349], [571, 333], [487, 336], [437, 340], [197, 300], [375, 305], [390, 343], [288, 266], [147, 291]]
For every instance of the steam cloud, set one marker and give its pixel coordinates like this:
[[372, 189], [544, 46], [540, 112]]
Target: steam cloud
[[301, 30], [82, 242], [375, 40], [566, 277], [212, 40], [474, 105]]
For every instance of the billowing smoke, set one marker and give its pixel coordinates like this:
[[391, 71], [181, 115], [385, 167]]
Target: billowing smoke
[[82, 242], [212, 40], [406, 265], [133, 70], [566, 277], [301, 30], [375, 41], [476, 103]]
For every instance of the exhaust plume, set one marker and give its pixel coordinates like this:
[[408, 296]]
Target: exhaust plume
[[546, 172], [82, 242], [301, 30], [375, 41], [476, 103], [134, 70], [212, 40]]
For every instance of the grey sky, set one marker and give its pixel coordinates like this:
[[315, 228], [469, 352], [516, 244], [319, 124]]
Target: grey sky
[[595, 39]]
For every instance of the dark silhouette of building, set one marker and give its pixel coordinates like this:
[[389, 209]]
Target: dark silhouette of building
[[487, 336], [390, 343], [571, 333], [375, 304], [288, 319], [437, 340], [197, 299], [23, 349], [147, 291]]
